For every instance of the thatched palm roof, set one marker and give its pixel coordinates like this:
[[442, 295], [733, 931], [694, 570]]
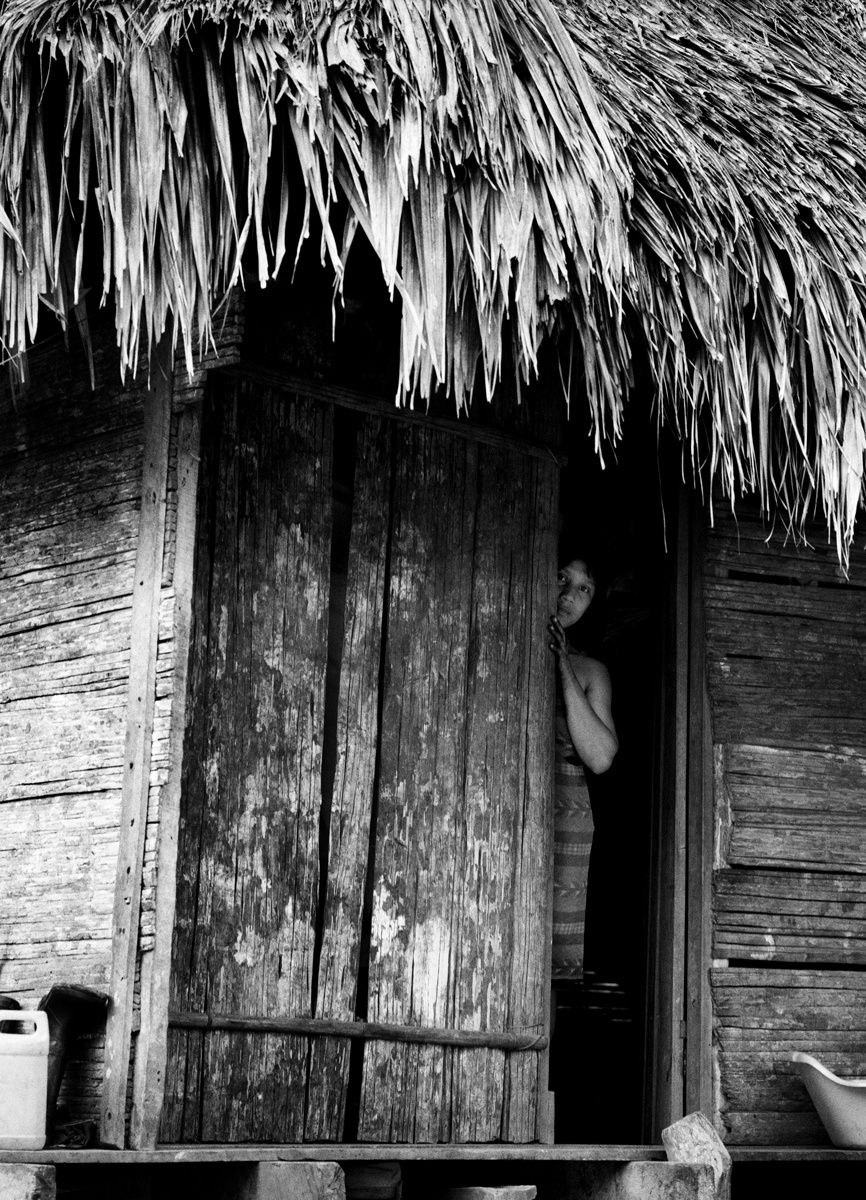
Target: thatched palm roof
[[677, 181]]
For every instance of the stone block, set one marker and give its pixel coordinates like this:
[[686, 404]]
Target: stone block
[[694, 1140], [283, 1181], [522, 1191], [643, 1181], [22, 1181]]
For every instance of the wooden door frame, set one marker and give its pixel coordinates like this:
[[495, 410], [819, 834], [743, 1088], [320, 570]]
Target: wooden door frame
[[698, 1083], [148, 1082], [679, 1010]]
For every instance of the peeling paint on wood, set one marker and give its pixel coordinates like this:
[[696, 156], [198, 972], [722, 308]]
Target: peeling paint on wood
[[248, 877], [459, 890], [355, 775], [458, 580]]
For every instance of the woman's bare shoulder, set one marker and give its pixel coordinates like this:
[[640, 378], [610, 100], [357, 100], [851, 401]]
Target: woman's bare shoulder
[[589, 670]]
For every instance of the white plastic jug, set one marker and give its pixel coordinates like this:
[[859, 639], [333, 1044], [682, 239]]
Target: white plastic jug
[[23, 1080]]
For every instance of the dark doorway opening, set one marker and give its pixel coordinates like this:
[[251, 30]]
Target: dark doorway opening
[[601, 1040]]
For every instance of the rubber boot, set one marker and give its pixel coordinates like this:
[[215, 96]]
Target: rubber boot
[[71, 1010]]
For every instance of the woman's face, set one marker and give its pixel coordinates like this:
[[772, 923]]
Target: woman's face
[[576, 590]]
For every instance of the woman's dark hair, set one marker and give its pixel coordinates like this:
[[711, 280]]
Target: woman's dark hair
[[588, 633]]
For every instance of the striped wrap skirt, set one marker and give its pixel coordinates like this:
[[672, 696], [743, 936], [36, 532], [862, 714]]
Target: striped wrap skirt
[[572, 843]]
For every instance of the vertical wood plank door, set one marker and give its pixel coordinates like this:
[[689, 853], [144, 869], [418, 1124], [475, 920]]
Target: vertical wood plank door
[[458, 934], [365, 837], [248, 872]]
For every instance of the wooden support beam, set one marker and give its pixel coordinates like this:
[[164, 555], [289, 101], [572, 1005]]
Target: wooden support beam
[[699, 933], [668, 983], [367, 402], [677, 831], [149, 1078], [144, 627], [368, 1030]]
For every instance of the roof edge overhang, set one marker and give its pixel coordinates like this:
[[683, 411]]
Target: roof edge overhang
[[498, 180]]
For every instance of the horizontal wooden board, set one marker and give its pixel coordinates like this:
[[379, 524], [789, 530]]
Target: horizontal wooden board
[[51, 422], [773, 1129], [746, 544], [70, 743], [59, 933], [786, 650], [792, 807], [801, 773], [789, 916], [799, 720], [760, 1017], [349, 1152], [805, 606]]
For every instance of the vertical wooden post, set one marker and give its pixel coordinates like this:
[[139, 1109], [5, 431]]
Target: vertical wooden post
[[144, 625], [698, 1062], [670, 886], [149, 1074], [544, 532]]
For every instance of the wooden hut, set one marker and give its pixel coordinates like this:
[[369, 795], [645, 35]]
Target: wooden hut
[[275, 694]]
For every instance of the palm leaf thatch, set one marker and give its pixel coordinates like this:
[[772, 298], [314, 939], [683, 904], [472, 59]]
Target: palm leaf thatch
[[679, 182]]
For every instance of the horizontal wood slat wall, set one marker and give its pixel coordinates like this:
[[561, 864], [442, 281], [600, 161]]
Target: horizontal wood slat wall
[[70, 493], [70, 500], [762, 1016], [786, 665]]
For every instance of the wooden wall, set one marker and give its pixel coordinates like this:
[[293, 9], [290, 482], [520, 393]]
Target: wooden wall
[[70, 492], [786, 665], [71, 470]]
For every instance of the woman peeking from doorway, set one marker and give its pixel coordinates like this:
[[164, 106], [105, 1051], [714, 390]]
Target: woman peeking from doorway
[[585, 738]]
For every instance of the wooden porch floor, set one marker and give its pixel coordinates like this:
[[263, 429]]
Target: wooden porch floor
[[386, 1152]]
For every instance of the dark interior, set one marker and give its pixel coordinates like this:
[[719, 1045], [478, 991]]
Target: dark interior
[[599, 1054]]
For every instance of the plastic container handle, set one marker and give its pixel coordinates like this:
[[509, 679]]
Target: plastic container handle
[[23, 1043]]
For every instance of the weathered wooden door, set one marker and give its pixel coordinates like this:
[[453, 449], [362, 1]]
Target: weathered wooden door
[[364, 840]]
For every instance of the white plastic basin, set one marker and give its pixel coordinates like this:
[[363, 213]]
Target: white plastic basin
[[840, 1103]]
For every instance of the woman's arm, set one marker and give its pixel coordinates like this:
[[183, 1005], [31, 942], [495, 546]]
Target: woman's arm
[[587, 706]]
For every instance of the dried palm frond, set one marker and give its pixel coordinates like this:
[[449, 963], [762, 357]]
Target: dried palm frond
[[464, 136], [686, 178], [743, 127]]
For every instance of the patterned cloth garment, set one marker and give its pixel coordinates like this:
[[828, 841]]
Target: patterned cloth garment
[[572, 843]]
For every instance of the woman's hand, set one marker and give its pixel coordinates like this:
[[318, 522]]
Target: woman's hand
[[587, 697], [558, 643]]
